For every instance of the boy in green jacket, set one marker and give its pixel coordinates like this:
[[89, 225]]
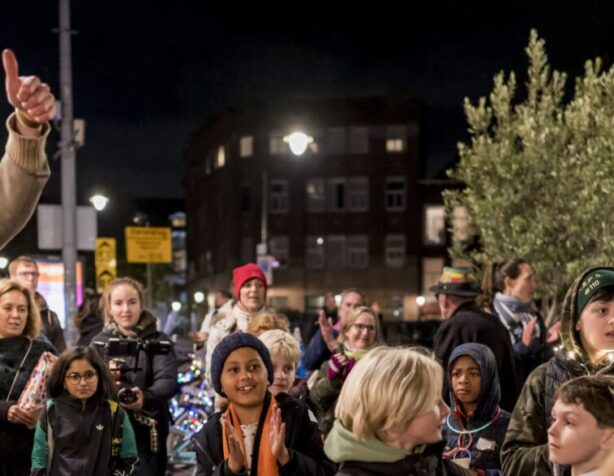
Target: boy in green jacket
[[587, 332]]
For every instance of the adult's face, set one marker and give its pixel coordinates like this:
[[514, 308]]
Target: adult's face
[[524, 286], [125, 307], [361, 334], [27, 275], [252, 295], [13, 314], [349, 301]]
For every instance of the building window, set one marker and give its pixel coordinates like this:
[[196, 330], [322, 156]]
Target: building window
[[460, 224], [278, 196], [314, 252], [358, 251], [280, 249], [434, 225], [395, 193], [431, 272], [220, 159], [277, 145], [358, 194], [314, 195], [246, 146], [359, 140], [335, 251], [279, 302], [394, 251], [395, 139], [336, 194], [335, 140]]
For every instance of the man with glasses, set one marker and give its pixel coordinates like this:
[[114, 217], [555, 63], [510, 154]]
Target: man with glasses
[[24, 271]]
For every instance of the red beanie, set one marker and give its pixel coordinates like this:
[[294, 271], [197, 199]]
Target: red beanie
[[244, 273]]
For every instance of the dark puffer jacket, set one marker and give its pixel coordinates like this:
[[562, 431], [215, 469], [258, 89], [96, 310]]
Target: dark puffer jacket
[[303, 441], [16, 439], [525, 450], [486, 443]]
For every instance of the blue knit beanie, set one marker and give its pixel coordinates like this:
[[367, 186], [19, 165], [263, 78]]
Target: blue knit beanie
[[233, 342]]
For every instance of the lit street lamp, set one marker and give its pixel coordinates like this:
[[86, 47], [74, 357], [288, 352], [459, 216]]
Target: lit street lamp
[[199, 297], [99, 202], [298, 142]]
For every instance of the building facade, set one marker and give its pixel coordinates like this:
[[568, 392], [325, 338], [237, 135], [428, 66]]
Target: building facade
[[352, 210]]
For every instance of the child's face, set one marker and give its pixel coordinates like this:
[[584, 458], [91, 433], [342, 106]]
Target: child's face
[[423, 430], [285, 371], [81, 379], [466, 379], [574, 437], [244, 377], [596, 328]]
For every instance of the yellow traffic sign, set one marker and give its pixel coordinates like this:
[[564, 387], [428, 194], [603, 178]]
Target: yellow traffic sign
[[106, 262], [148, 244]]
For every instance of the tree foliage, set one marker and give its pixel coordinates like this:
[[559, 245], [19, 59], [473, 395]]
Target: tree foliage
[[539, 173]]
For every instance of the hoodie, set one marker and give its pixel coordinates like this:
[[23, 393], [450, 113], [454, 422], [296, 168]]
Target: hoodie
[[525, 449], [370, 456], [481, 432]]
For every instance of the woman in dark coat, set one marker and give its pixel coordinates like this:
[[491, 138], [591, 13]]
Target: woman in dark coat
[[155, 381], [19, 353]]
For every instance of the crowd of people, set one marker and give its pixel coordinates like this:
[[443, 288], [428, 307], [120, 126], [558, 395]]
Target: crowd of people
[[497, 394]]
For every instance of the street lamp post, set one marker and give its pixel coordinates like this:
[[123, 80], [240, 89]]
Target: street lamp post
[[297, 143]]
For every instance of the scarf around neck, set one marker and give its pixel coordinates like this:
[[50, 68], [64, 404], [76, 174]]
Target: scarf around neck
[[515, 315], [263, 461]]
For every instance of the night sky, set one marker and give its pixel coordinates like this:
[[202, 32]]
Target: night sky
[[147, 74]]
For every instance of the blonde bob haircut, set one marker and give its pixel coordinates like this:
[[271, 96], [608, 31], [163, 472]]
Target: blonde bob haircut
[[387, 389], [106, 295], [351, 319], [283, 344], [267, 320], [33, 322]]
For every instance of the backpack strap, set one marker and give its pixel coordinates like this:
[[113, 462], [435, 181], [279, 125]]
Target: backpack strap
[[117, 417]]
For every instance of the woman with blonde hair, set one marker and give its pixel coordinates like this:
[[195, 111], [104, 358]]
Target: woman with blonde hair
[[155, 381], [359, 334], [389, 417], [19, 352]]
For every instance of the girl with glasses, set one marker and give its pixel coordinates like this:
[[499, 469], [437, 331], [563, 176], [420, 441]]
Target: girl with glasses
[[81, 431]]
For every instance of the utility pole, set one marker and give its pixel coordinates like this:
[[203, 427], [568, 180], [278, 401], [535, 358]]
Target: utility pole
[[69, 181]]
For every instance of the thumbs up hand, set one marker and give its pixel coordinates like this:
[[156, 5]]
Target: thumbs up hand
[[32, 98]]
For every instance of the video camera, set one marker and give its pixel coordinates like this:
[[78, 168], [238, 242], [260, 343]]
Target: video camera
[[130, 347]]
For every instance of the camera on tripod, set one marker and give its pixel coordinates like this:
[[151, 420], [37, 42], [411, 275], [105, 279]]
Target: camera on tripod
[[115, 348]]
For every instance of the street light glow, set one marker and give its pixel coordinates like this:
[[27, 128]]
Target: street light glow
[[176, 306], [298, 142], [199, 297], [99, 202]]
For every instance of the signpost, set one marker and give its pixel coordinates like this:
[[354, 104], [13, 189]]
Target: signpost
[[148, 245], [106, 262]]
